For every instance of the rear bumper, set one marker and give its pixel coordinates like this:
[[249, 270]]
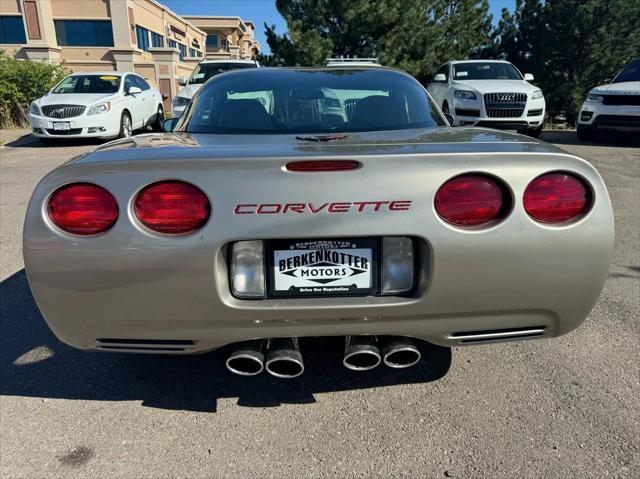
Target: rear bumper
[[130, 284]]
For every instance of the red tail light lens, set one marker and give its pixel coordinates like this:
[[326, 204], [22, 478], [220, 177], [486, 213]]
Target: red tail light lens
[[322, 165], [555, 198], [83, 209], [172, 207], [470, 200]]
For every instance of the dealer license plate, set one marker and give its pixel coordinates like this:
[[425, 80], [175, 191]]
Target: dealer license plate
[[332, 267], [61, 125]]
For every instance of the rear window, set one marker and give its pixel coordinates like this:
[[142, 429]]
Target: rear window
[[204, 71], [310, 101], [89, 84]]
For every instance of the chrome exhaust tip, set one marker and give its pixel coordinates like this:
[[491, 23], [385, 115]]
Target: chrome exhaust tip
[[400, 353], [248, 360], [284, 359], [361, 353]]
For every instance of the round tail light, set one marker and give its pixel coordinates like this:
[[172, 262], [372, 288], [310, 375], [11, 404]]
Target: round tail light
[[83, 209], [556, 198], [172, 207], [470, 200]]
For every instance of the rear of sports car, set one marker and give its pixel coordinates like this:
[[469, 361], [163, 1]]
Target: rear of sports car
[[184, 243]]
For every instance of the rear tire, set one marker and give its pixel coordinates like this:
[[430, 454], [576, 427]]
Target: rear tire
[[585, 133], [157, 124], [126, 126]]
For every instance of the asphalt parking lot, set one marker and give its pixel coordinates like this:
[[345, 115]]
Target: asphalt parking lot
[[568, 407]]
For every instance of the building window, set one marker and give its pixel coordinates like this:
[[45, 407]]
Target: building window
[[84, 33], [194, 53], [157, 41], [142, 36], [12, 30], [181, 48], [212, 41]]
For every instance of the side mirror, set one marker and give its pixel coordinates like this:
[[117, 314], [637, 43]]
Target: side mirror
[[528, 77], [170, 124], [449, 118], [182, 81], [440, 78], [134, 90]]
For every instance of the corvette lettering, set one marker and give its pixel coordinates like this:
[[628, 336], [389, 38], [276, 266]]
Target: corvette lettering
[[315, 208]]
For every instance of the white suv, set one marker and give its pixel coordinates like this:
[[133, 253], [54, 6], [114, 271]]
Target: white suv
[[205, 70], [615, 106], [490, 93]]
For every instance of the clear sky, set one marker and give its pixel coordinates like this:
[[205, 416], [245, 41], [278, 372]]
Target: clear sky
[[264, 11]]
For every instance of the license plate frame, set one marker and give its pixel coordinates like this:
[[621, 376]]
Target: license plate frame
[[61, 125], [277, 250]]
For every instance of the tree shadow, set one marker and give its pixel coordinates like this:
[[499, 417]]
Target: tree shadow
[[35, 364], [607, 139]]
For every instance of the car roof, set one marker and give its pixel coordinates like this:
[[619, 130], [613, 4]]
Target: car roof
[[104, 73], [229, 60], [453, 62]]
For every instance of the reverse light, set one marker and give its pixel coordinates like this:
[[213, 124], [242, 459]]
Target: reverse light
[[556, 198], [397, 264], [322, 165], [99, 108], [83, 209], [247, 269], [470, 200], [172, 207], [465, 94]]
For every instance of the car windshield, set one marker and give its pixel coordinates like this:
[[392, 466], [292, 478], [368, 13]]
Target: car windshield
[[485, 71], [204, 71], [310, 101], [630, 73], [89, 84]]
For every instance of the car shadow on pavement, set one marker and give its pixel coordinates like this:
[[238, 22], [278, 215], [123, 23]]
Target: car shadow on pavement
[[30, 141], [35, 364], [569, 137]]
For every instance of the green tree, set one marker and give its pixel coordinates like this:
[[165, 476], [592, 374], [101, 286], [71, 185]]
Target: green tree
[[415, 35]]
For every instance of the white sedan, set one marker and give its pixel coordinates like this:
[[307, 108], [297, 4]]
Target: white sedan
[[490, 93], [96, 104]]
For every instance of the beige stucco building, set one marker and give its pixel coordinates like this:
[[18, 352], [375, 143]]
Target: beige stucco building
[[125, 35]]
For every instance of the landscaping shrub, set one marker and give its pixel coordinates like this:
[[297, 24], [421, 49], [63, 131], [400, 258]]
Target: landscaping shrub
[[21, 82]]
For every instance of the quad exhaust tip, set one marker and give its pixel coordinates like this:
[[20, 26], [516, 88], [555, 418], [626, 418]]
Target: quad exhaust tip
[[361, 353], [247, 361], [284, 359], [400, 353]]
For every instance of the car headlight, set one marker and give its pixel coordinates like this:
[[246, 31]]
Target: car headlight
[[464, 94], [181, 101], [34, 109], [595, 98], [537, 94], [99, 108]]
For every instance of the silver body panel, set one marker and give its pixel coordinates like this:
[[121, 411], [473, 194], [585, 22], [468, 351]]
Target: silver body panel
[[131, 283]]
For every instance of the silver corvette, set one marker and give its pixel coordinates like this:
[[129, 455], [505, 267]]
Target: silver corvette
[[290, 203]]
